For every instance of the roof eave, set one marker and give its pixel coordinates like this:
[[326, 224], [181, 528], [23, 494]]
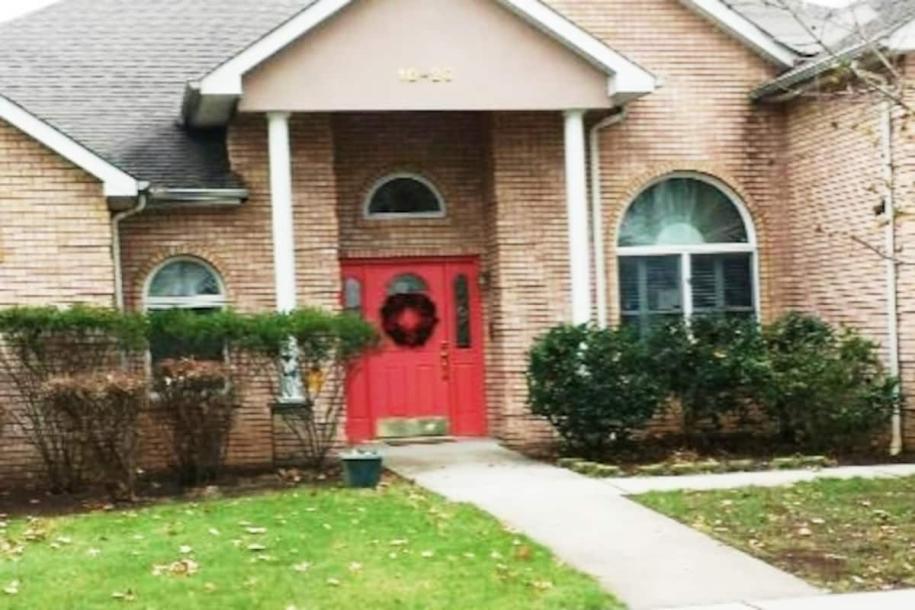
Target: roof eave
[[116, 182], [197, 197], [897, 40], [745, 31]]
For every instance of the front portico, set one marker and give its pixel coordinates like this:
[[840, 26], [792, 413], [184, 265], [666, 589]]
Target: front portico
[[441, 93]]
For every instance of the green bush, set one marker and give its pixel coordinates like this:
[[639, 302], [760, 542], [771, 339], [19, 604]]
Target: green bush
[[593, 385], [824, 388], [711, 368], [319, 346], [312, 345], [41, 344]]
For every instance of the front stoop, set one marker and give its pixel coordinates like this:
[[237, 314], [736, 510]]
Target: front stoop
[[646, 559]]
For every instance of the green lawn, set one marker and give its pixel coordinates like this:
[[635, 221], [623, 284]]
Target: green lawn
[[843, 535], [304, 549]]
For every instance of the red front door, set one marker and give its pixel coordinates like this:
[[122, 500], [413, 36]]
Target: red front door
[[430, 362]]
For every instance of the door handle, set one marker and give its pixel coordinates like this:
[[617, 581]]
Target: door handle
[[446, 360]]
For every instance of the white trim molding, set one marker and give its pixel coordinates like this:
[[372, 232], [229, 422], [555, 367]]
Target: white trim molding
[[442, 211], [282, 211], [209, 101], [117, 183], [627, 79], [686, 252], [743, 30], [201, 301], [576, 170]]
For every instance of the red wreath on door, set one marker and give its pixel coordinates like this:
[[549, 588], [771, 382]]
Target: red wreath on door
[[409, 319]]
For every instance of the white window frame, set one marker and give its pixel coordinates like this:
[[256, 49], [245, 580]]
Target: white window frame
[[686, 252], [381, 182], [151, 303]]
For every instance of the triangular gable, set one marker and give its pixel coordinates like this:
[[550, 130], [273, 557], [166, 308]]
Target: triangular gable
[[623, 79]]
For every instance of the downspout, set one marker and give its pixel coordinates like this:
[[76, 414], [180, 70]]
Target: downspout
[[892, 296], [597, 216], [142, 201]]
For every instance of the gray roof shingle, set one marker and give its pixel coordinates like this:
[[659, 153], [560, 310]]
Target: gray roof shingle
[[807, 27], [112, 73]]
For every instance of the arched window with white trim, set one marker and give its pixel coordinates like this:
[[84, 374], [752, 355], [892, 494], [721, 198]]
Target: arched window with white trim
[[190, 284], [686, 247], [404, 195]]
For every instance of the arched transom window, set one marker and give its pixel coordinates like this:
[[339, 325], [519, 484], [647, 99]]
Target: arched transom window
[[404, 196], [185, 283], [189, 284], [686, 247]]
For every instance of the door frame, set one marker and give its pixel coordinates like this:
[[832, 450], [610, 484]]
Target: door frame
[[389, 261]]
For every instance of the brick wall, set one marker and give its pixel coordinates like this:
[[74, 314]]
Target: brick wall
[[529, 260], [502, 178], [55, 241], [700, 119], [238, 243], [448, 149], [833, 151]]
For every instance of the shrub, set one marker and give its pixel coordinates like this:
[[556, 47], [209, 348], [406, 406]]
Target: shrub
[[711, 368], [40, 344], [824, 388], [593, 385], [196, 402], [97, 415], [319, 346]]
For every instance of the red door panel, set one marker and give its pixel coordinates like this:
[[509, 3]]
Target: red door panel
[[443, 377]]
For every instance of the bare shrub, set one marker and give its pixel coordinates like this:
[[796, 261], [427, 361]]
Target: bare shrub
[[196, 402], [97, 416]]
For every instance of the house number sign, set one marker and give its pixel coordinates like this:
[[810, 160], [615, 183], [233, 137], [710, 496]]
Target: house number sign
[[432, 75]]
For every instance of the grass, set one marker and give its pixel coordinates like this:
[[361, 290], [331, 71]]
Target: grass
[[845, 536], [303, 549]]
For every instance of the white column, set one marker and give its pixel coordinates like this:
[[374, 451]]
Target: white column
[[281, 205], [283, 243], [577, 208]]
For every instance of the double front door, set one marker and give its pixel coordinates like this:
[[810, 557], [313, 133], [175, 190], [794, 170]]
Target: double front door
[[426, 378]]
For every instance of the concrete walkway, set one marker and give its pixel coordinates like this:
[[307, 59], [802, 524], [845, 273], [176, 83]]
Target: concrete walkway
[[735, 480], [891, 600], [646, 559]]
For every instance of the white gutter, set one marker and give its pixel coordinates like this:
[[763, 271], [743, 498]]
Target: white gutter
[[892, 294], [597, 216], [142, 201]]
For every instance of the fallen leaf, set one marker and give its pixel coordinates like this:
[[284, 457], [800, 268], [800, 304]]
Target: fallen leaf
[[126, 596]]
